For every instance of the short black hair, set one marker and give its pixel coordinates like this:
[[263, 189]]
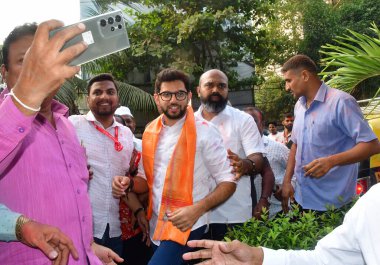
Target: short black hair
[[99, 78], [27, 29], [287, 115], [272, 122], [300, 62], [169, 75]]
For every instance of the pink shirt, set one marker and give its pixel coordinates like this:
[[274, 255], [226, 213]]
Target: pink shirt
[[43, 175]]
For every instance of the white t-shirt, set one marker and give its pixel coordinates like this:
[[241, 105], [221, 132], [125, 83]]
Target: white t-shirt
[[240, 134], [106, 163], [355, 242], [278, 137], [210, 162]]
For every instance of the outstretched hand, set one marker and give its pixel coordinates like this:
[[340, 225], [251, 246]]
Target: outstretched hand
[[223, 253]]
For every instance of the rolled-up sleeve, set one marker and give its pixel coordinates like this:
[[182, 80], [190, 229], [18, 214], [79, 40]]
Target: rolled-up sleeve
[[7, 224]]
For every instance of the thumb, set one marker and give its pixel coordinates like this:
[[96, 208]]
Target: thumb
[[48, 250]]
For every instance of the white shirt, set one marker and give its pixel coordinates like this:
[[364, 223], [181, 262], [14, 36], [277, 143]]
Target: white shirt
[[278, 137], [210, 162], [277, 155], [240, 134], [355, 242], [106, 163]]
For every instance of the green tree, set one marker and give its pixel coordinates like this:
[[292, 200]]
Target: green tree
[[194, 36]]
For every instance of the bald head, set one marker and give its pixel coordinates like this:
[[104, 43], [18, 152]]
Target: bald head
[[211, 73], [213, 90]]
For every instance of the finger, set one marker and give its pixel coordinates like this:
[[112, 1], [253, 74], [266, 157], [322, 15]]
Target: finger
[[47, 249], [42, 33], [200, 254], [310, 165], [58, 260], [201, 243], [114, 256], [311, 171], [284, 203], [67, 242], [65, 34], [64, 255], [237, 176]]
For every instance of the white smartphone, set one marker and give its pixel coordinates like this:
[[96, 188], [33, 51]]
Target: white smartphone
[[105, 34]]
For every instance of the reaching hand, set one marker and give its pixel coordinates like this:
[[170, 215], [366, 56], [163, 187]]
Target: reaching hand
[[106, 255], [287, 194], [50, 240], [144, 225], [222, 253], [261, 207]]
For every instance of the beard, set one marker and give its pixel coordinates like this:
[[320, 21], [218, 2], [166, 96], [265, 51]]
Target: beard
[[214, 106], [289, 127], [179, 115], [104, 111]]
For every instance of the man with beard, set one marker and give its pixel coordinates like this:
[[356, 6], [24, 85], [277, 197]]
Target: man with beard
[[287, 122], [245, 148], [180, 155], [329, 137], [108, 146]]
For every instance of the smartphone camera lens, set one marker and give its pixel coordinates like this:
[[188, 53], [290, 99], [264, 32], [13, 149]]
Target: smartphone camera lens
[[112, 28], [110, 20], [103, 22], [118, 18], [119, 26]]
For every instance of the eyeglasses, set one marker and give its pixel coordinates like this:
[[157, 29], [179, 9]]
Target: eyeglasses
[[210, 85], [167, 96]]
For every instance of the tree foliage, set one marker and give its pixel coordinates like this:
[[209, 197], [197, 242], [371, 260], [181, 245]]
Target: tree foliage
[[195, 35]]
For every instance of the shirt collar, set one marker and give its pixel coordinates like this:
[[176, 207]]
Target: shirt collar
[[90, 117], [59, 108], [320, 96]]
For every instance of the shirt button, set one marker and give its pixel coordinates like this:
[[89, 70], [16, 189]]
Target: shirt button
[[69, 165], [83, 219], [78, 191], [21, 129], [62, 142]]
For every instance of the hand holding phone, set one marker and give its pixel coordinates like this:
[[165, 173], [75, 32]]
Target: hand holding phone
[[105, 34]]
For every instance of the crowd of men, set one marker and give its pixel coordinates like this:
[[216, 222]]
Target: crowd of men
[[84, 190]]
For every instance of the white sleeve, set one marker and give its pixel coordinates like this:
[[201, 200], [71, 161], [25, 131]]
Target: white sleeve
[[250, 136], [355, 242]]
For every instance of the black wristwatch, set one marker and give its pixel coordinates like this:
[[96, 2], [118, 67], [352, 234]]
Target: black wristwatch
[[253, 166]]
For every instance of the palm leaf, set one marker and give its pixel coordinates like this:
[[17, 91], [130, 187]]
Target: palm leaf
[[355, 58]]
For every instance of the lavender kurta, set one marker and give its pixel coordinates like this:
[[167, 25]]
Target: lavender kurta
[[43, 175]]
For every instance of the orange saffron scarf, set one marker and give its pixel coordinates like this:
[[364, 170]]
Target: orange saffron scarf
[[178, 185]]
